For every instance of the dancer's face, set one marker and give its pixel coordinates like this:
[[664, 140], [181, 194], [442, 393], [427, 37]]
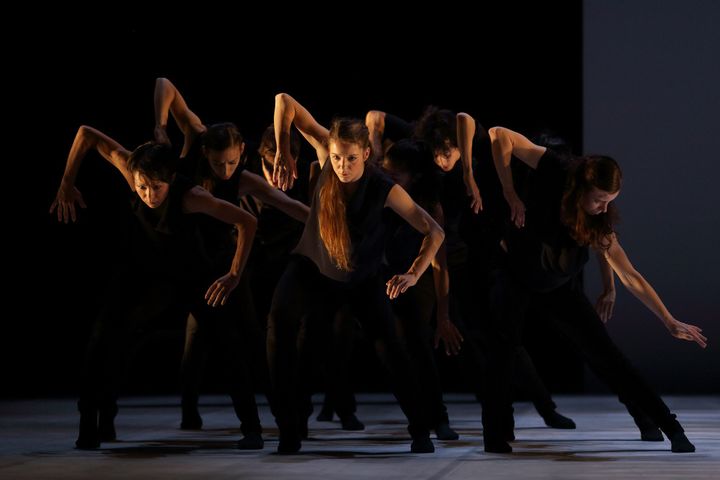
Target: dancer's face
[[447, 157], [152, 192], [348, 160], [224, 162], [596, 201]]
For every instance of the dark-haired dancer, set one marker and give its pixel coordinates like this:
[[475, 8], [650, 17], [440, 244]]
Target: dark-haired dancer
[[472, 240], [215, 157], [168, 267], [569, 210]]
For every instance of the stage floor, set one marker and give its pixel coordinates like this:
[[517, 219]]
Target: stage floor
[[37, 438]]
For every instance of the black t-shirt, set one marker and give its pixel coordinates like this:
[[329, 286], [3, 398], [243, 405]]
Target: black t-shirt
[[218, 236], [543, 254], [463, 227], [365, 217], [168, 241]]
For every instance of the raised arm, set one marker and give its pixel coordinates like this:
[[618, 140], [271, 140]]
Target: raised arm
[[606, 301], [375, 122], [638, 286], [86, 139], [399, 200], [167, 98], [288, 112], [199, 200], [256, 186], [445, 330], [505, 144], [465, 134]]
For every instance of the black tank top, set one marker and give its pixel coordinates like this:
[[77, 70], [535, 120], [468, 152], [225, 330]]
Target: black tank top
[[171, 240], [219, 238], [543, 253], [365, 216]]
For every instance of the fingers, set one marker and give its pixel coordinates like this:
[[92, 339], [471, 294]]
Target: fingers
[[690, 333], [215, 294], [81, 202], [456, 341], [72, 212], [518, 215], [276, 174], [283, 179], [476, 204], [604, 313], [395, 286], [698, 337], [395, 290], [52, 206]]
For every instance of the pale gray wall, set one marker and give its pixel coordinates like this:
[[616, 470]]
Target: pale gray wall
[[652, 101]]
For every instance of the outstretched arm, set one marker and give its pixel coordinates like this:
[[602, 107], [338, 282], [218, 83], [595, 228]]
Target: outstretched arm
[[375, 122], [399, 200], [86, 139], [638, 286], [199, 200], [465, 134], [288, 112], [256, 186], [505, 144], [606, 301], [167, 98]]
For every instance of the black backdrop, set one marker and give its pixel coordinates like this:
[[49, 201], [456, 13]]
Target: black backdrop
[[515, 65]]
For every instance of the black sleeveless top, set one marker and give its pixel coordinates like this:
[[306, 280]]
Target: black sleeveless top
[[218, 236], [365, 217], [543, 253], [170, 239]]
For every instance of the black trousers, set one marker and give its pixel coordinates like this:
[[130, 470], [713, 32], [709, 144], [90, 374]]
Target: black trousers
[[303, 293], [573, 315], [231, 330], [131, 305], [415, 310]]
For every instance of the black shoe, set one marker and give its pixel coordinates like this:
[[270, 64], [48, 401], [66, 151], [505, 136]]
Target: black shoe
[[351, 422], [554, 420], [497, 446], [88, 438], [251, 441], [422, 445], [680, 443], [191, 419], [288, 446], [106, 424], [652, 434], [444, 432]]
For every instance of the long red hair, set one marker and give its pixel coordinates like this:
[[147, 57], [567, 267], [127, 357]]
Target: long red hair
[[332, 214]]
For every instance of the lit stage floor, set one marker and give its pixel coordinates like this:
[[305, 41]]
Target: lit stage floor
[[37, 438]]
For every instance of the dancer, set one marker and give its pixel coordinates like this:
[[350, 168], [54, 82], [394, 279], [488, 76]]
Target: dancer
[[168, 266], [338, 261], [569, 210]]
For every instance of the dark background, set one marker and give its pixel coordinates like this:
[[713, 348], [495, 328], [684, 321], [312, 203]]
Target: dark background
[[516, 65]]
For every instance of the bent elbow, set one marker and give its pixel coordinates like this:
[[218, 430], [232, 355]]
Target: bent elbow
[[439, 235], [374, 117], [248, 224], [495, 133]]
